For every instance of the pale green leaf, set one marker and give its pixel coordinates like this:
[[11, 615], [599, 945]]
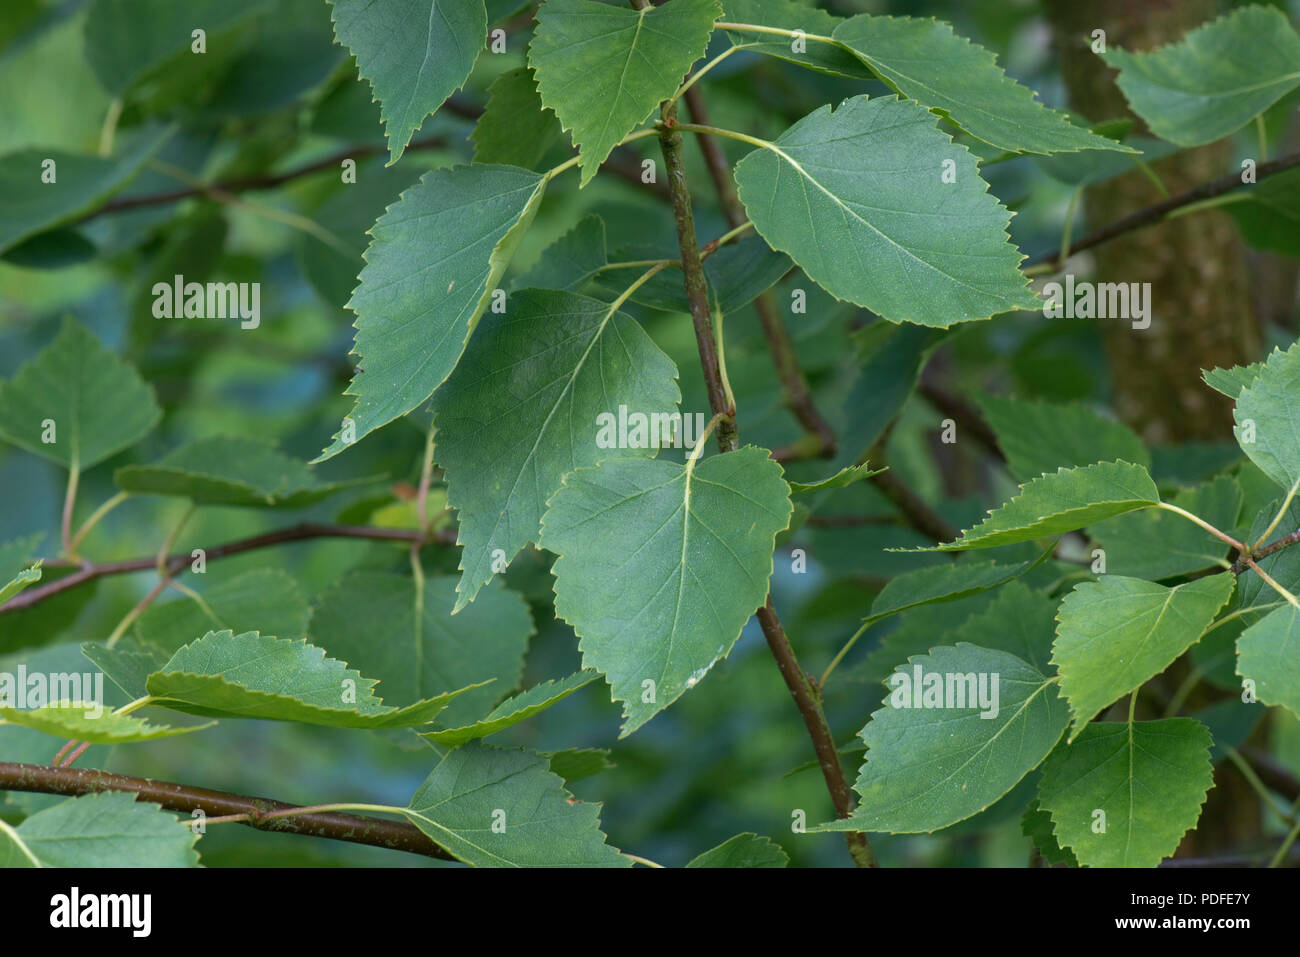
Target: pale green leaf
[[1039, 437], [934, 759], [841, 479], [857, 198], [1063, 501], [436, 257], [1215, 80], [1118, 632], [1148, 778], [415, 53], [93, 723], [925, 60], [496, 808], [261, 599], [111, 829], [743, 850], [97, 404], [660, 565], [1266, 417], [278, 679], [1268, 654], [604, 68], [28, 576], [228, 470], [413, 644], [525, 407], [1231, 381], [515, 129], [513, 710]]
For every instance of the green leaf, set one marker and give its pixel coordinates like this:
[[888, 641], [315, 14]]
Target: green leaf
[[841, 479], [571, 260], [97, 404], [494, 808], [743, 850], [660, 565], [513, 710], [80, 183], [111, 829], [73, 719], [1019, 621], [933, 761], [943, 583], [1040, 437], [1266, 415], [515, 129], [1218, 78], [1268, 214], [526, 406], [411, 642], [925, 60], [227, 470], [278, 679], [1148, 778], [1231, 381], [603, 68], [435, 259], [414, 53], [128, 664], [1268, 653], [261, 599], [857, 198], [1117, 632], [1036, 824], [127, 39], [28, 576], [574, 764], [793, 15], [1159, 544], [1062, 502]]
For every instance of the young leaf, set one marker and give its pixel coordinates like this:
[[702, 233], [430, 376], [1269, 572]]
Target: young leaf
[[1268, 653], [925, 60], [937, 753], [743, 850], [1062, 502], [859, 199], [841, 479], [943, 583], [228, 470], [1040, 437], [28, 576], [86, 400], [415, 53], [278, 679], [515, 129], [817, 26], [435, 259], [1266, 414], [513, 710], [111, 829], [1124, 794], [1218, 78], [410, 641], [80, 183], [525, 407], [1118, 632], [494, 808], [261, 599], [603, 68], [660, 565], [72, 719]]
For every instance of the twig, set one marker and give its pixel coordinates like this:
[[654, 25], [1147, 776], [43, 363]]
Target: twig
[[1286, 541], [250, 811]]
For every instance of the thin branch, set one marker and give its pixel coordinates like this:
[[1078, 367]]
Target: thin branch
[[1153, 214], [1286, 541], [177, 563], [250, 811], [805, 694]]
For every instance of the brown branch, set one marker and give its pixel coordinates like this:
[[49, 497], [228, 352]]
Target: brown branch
[[1286, 541], [175, 564], [1153, 214], [805, 693], [964, 413], [337, 826], [798, 397]]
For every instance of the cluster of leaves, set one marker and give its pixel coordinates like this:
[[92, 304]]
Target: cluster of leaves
[[881, 201]]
